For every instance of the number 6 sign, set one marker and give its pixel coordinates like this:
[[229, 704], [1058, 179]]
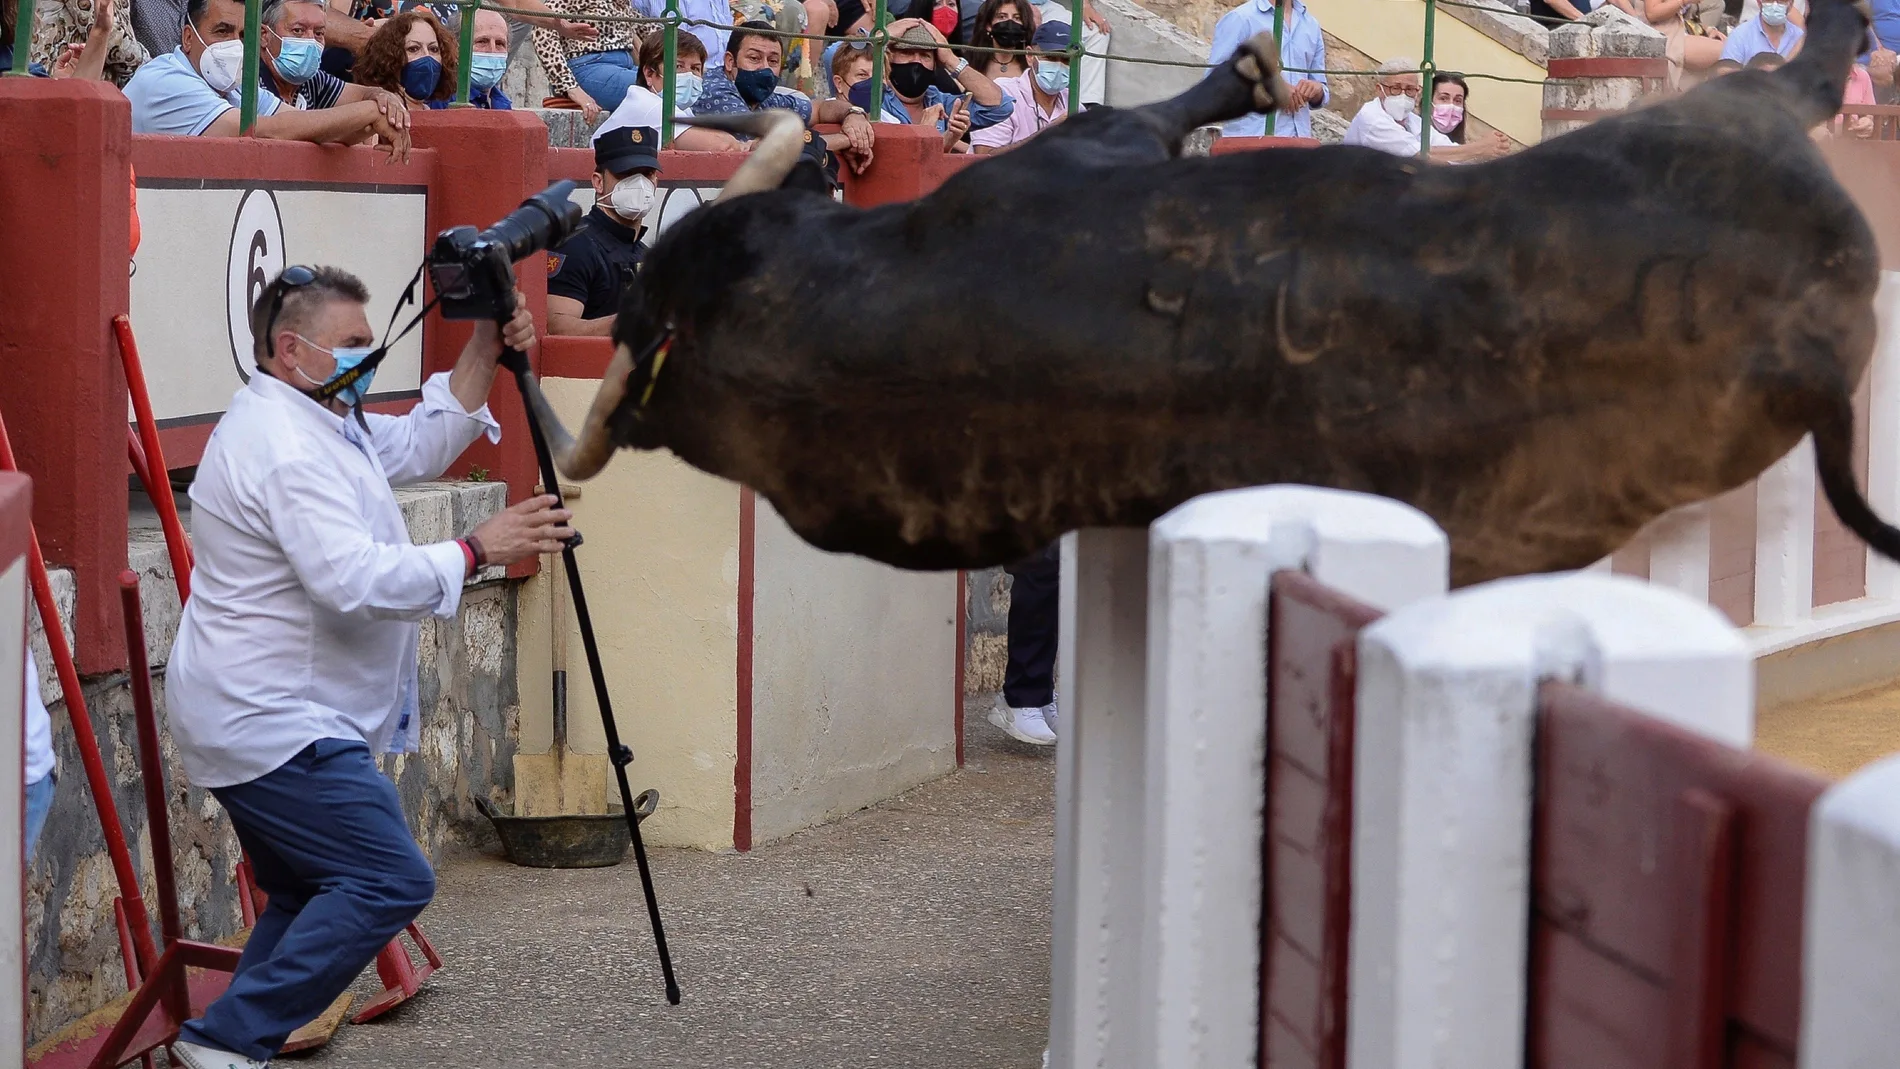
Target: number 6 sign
[[257, 255]]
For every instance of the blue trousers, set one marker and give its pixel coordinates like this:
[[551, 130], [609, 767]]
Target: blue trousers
[[39, 802], [606, 76], [328, 843]]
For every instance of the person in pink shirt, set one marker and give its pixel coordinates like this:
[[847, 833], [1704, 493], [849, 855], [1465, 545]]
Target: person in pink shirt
[[1041, 93], [1860, 90]]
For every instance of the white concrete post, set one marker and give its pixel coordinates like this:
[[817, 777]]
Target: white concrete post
[[1442, 789], [13, 610], [1210, 565], [1883, 432], [1784, 539], [1850, 965], [1679, 551], [1099, 797]]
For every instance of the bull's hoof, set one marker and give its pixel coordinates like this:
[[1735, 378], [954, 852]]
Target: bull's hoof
[[1259, 62]]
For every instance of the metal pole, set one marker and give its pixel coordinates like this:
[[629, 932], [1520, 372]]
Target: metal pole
[[1279, 33], [669, 78], [465, 51], [1075, 56], [247, 110], [879, 21], [1426, 70], [22, 38]]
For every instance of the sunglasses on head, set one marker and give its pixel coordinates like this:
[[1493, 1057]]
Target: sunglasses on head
[[294, 276]]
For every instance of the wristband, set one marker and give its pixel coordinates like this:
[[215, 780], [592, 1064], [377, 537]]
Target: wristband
[[468, 556], [475, 548]]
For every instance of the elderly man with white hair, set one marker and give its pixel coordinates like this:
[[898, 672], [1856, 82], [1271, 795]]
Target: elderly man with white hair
[[1390, 121]]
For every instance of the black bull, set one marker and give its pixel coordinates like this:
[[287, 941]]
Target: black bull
[[1541, 353]]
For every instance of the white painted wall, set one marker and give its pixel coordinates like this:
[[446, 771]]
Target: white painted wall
[[13, 610], [1851, 932]]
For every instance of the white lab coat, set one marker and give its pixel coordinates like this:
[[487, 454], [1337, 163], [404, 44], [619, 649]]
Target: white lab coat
[[1373, 128]]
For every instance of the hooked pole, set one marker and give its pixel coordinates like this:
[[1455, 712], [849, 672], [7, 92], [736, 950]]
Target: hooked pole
[[247, 105], [1426, 69], [669, 78], [22, 39], [1279, 45], [465, 50], [878, 39], [1075, 56]]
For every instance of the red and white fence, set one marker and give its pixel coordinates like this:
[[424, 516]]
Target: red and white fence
[[16, 526], [1314, 812]]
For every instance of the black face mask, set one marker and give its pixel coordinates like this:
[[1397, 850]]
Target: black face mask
[[1010, 35], [911, 79]]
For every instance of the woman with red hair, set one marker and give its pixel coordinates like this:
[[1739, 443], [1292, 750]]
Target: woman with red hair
[[413, 54]]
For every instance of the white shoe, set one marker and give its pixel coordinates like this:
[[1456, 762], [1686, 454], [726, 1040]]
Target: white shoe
[[1051, 715], [193, 1056], [1023, 725], [1045, 1058]]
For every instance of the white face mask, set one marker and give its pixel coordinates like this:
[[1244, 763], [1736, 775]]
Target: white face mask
[[1398, 106], [632, 198], [220, 64]]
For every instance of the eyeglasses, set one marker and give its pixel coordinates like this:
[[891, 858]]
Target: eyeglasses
[[1412, 91], [294, 276]]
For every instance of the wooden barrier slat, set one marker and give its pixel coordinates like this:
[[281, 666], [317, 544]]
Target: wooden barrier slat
[[1612, 841]]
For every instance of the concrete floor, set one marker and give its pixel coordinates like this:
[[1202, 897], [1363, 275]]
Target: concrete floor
[[912, 934], [1834, 736]]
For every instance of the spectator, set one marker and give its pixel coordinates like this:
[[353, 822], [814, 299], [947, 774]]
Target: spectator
[[40, 775], [291, 48], [917, 53], [1026, 710], [1041, 94], [1771, 61], [642, 107], [748, 81], [1887, 26], [1389, 121], [1694, 41], [589, 270], [1766, 32], [943, 14], [1449, 93], [1004, 24], [1724, 66], [412, 55], [594, 74], [849, 66], [61, 26], [1092, 79], [353, 22], [488, 63], [1860, 90], [193, 90], [716, 12], [1880, 67], [1302, 47]]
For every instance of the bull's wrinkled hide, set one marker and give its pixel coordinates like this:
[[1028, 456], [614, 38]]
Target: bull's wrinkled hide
[[1542, 353]]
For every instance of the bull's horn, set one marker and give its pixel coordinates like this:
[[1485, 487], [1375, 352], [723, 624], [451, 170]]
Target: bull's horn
[[782, 141], [583, 458]]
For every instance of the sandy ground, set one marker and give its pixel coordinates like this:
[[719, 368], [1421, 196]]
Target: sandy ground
[[1834, 736]]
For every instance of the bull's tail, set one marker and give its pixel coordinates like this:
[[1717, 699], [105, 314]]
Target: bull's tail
[[1832, 424], [1817, 78]]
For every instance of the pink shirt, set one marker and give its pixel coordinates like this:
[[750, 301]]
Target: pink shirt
[[1860, 86], [1027, 119]]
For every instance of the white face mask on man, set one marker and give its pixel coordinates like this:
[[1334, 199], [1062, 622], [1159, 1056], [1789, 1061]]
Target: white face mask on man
[[221, 64], [632, 197], [1399, 106]]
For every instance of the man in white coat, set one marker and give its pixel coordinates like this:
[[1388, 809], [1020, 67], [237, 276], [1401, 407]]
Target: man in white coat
[[295, 663], [1390, 121]]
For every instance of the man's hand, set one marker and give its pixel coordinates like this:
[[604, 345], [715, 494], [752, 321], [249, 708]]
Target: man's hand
[[517, 334], [932, 115], [393, 107], [576, 31], [1093, 19], [102, 21], [858, 129], [392, 138], [525, 530], [959, 124], [1880, 66], [1309, 92]]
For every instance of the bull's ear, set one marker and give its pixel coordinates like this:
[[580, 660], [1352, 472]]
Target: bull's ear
[[808, 176]]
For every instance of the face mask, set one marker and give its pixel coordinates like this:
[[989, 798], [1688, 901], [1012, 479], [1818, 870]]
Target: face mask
[[486, 68], [1446, 117], [420, 76], [347, 357], [911, 79], [755, 87], [632, 198], [1399, 106], [1010, 35], [1051, 78], [945, 20], [297, 59], [860, 94], [220, 64], [686, 88], [1774, 14]]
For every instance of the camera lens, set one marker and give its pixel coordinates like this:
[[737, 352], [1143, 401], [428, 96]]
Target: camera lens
[[542, 222]]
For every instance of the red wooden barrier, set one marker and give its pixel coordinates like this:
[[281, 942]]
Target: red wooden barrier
[[1307, 859]]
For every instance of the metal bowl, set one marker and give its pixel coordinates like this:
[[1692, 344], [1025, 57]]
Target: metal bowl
[[577, 841]]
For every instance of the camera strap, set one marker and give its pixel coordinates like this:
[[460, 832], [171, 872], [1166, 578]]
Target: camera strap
[[325, 393]]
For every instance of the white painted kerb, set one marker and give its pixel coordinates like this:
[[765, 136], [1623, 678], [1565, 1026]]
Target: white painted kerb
[[1850, 968]]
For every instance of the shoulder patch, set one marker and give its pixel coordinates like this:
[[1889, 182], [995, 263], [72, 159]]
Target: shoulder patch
[[808, 137], [555, 260]]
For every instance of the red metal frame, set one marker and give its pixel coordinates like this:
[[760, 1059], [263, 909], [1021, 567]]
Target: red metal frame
[[401, 977]]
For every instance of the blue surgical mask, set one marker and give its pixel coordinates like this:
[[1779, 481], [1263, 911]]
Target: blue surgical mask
[[1051, 78], [686, 89], [347, 357], [420, 76], [755, 87], [860, 94], [1774, 14], [486, 68], [297, 59]]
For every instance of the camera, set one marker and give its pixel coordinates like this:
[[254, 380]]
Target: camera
[[473, 272]]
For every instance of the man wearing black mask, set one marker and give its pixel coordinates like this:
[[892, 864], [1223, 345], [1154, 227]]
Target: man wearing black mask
[[748, 80], [919, 58]]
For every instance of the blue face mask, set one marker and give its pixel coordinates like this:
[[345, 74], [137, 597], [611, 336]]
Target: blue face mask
[[755, 87], [486, 68], [1051, 78], [297, 59], [420, 76], [860, 94], [686, 89], [347, 357]]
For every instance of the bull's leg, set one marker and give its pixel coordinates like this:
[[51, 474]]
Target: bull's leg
[[1250, 81], [1837, 31]]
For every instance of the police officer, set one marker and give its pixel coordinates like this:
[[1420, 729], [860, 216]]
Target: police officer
[[587, 273]]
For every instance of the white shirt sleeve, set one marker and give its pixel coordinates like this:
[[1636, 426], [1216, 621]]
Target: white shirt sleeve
[[317, 521], [1373, 128], [419, 444]]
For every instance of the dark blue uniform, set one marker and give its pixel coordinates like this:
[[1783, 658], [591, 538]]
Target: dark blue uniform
[[595, 263]]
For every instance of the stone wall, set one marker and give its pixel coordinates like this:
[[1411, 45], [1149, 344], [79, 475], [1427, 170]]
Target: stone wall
[[468, 743]]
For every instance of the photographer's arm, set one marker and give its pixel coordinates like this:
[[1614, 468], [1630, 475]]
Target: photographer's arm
[[565, 318], [474, 371]]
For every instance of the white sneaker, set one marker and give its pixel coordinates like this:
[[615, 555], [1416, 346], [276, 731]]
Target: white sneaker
[[193, 1056], [1045, 1058], [1051, 715], [1023, 725]]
